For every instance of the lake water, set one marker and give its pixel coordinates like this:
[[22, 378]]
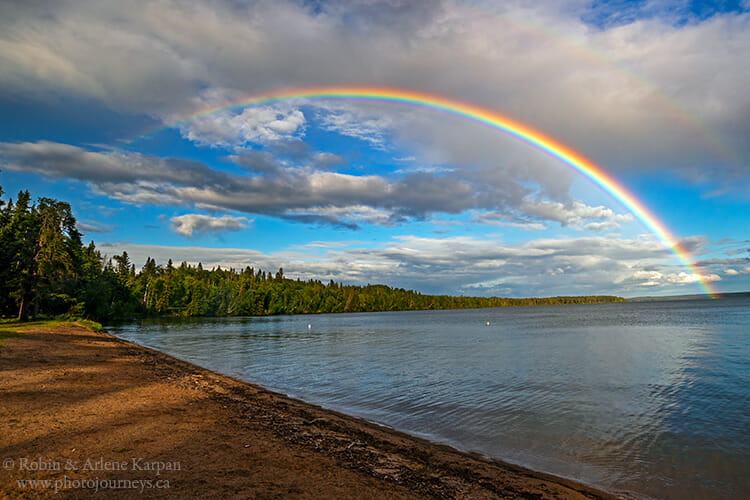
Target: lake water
[[644, 398]]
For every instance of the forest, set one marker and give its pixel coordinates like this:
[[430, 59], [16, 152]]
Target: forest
[[47, 271]]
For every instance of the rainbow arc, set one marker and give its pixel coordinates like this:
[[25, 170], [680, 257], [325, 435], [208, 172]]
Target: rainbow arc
[[483, 116]]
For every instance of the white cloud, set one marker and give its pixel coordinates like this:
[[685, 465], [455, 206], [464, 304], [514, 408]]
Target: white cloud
[[139, 179], [575, 214], [355, 214], [644, 93], [461, 264], [372, 127], [298, 192], [249, 126], [735, 272], [656, 278], [188, 224]]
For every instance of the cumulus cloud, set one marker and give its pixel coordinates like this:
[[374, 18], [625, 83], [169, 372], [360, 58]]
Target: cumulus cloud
[[575, 214], [462, 264], [645, 91], [250, 126], [299, 192], [58, 160], [140, 179], [350, 216], [188, 224], [736, 272], [372, 129], [656, 278]]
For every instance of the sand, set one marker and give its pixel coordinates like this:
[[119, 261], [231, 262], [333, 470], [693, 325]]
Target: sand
[[91, 414]]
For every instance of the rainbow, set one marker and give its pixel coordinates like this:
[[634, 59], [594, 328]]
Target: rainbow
[[478, 115]]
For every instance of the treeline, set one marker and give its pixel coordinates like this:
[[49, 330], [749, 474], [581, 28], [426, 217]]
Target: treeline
[[193, 291], [45, 269]]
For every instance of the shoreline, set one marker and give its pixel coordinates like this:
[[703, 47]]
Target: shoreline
[[71, 395]]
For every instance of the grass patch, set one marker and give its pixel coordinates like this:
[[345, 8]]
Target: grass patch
[[12, 328], [91, 325], [6, 334], [19, 326]]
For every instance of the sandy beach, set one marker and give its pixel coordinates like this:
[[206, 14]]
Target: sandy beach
[[86, 413]]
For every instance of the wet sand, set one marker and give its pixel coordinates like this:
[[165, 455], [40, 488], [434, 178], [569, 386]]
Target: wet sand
[[94, 414]]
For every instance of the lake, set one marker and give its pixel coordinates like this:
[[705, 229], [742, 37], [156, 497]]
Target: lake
[[649, 399]]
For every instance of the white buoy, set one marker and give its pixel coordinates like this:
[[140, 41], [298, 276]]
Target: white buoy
[[309, 326]]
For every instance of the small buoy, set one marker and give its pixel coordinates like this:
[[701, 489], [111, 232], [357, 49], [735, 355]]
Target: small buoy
[[488, 323], [309, 326]]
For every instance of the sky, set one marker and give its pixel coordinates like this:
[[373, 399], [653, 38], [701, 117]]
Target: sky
[[100, 102]]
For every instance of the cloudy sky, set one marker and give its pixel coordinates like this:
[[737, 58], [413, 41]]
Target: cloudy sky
[[93, 96]]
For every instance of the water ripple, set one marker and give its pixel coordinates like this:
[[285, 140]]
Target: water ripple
[[642, 398]]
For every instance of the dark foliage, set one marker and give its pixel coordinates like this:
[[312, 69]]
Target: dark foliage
[[45, 269]]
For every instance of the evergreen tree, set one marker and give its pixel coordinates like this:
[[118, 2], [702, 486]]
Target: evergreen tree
[[45, 269]]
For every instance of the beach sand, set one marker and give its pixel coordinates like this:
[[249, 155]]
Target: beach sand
[[86, 410]]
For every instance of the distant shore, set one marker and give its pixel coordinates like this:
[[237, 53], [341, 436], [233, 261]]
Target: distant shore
[[84, 411]]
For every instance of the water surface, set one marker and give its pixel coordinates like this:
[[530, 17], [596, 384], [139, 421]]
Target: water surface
[[647, 398]]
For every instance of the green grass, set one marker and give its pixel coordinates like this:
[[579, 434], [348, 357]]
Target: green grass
[[20, 326], [12, 328], [91, 325], [6, 334]]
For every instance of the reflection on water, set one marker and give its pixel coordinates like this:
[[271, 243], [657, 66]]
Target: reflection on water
[[650, 398]]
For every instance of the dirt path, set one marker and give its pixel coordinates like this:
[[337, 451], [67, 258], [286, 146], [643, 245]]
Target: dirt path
[[88, 411]]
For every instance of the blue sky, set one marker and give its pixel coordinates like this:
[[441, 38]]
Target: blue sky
[[652, 92]]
